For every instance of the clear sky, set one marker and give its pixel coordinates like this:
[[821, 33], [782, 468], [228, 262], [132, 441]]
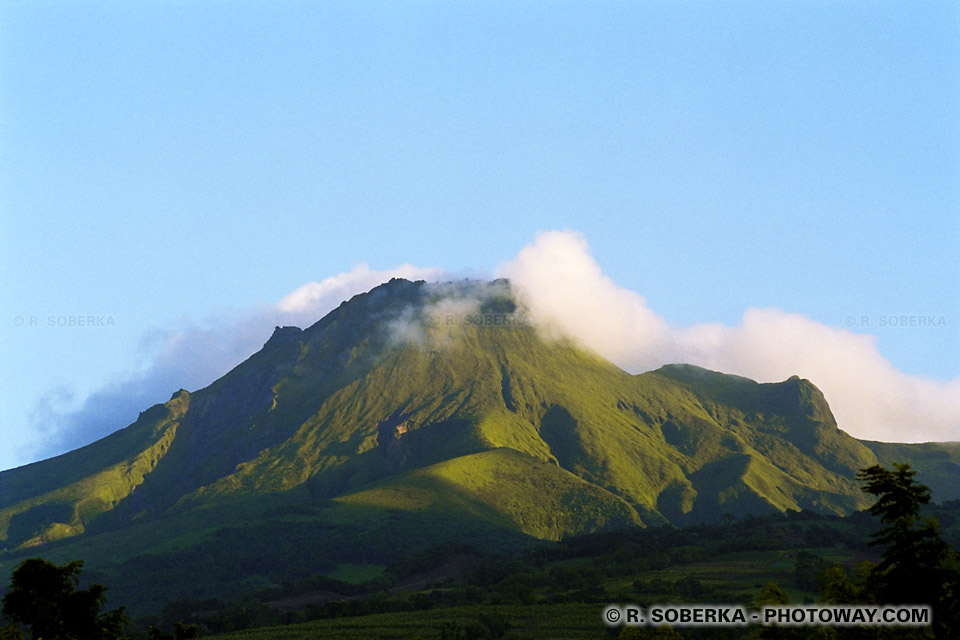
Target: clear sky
[[171, 164]]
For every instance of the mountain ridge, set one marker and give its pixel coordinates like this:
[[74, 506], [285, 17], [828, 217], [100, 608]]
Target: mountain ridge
[[429, 402]]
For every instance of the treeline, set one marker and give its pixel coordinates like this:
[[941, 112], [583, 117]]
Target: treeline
[[288, 543], [572, 570], [917, 566]]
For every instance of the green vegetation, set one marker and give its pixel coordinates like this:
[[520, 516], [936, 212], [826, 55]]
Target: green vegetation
[[180, 632], [377, 434], [916, 566], [559, 589], [57, 499], [505, 487], [559, 622], [45, 598], [356, 573], [563, 585], [938, 462]]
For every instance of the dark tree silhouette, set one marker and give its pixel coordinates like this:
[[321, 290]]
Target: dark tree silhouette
[[917, 565], [180, 632], [914, 553], [44, 597]]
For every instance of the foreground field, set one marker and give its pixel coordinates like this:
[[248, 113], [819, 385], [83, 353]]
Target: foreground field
[[734, 578], [575, 621], [551, 590]]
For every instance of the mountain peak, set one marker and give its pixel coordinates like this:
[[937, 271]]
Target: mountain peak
[[795, 396], [798, 396], [407, 397], [691, 373], [282, 332]]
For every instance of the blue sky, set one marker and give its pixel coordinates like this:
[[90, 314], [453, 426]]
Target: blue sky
[[172, 165]]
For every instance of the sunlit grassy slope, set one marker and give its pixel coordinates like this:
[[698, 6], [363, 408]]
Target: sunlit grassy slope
[[505, 487], [57, 498]]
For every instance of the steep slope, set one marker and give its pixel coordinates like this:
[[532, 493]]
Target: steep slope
[[795, 455], [58, 498], [937, 462], [506, 487]]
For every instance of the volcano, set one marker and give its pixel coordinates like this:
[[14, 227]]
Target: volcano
[[419, 413]]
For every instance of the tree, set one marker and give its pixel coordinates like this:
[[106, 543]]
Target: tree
[[917, 565], [806, 568], [837, 588], [44, 597], [771, 595], [10, 632], [915, 556]]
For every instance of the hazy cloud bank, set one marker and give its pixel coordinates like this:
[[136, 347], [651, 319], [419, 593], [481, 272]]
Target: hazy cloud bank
[[568, 294]]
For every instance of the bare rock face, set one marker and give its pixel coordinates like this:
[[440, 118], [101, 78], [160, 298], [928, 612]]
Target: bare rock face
[[392, 444]]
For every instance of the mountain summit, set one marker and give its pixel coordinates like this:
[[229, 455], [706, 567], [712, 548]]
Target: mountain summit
[[422, 403]]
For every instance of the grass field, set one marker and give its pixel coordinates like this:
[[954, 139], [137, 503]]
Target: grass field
[[559, 622], [730, 578], [356, 573]]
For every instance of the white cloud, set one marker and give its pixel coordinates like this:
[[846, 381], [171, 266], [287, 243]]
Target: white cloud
[[315, 299], [870, 398], [567, 293]]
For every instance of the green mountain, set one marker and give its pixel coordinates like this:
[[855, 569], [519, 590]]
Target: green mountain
[[939, 463], [435, 412]]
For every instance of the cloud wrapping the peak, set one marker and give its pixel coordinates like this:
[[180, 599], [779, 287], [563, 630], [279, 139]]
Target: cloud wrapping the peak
[[449, 306], [567, 294]]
